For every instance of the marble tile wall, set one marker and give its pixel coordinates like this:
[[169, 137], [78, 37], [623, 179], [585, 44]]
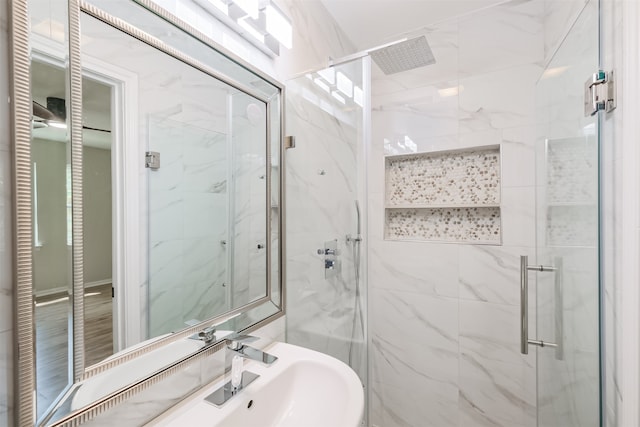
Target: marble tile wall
[[459, 304], [187, 260], [249, 195], [6, 235]]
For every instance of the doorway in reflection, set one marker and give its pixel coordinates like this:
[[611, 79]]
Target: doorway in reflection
[[52, 221]]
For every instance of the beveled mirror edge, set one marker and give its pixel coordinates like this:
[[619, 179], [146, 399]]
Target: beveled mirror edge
[[23, 272], [24, 356]]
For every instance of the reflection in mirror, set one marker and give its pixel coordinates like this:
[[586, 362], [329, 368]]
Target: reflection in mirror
[[165, 247], [206, 198], [52, 222], [51, 255]]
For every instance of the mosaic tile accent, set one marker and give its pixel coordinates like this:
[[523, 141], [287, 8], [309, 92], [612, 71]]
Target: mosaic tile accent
[[469, 177], [468, 225], [572, 226], [572, 171]]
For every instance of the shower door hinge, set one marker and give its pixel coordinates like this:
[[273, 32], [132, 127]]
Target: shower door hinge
[[152, 160], [600, 93], [289, 142]]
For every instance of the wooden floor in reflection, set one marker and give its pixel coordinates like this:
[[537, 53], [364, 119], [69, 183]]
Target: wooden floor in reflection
[[53, 343]]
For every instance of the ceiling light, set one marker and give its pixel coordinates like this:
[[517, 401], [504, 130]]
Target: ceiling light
[[329, 74], [250, 7], [59, 125], [322, 85], [279, 26], [450, 91], [220, 5], [553, 72], [345, 85], [250, 29], [358, 96], [337, 96]]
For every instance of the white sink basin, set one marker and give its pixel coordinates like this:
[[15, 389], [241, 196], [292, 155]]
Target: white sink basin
[[303, 388]]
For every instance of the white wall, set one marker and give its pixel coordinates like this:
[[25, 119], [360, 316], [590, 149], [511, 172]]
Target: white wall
[[97, 197], [52, 260]]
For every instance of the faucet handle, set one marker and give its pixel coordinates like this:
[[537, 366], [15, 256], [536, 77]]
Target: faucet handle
[[208, 334], [235, 341]]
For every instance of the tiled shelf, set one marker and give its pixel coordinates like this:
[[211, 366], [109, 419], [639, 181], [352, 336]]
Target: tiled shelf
[[445, 196]]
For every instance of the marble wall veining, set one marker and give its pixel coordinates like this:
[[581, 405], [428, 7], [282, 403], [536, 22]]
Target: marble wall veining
[[187, 261], [459, 304]]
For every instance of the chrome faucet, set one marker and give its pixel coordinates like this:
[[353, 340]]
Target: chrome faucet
[[236, 349]]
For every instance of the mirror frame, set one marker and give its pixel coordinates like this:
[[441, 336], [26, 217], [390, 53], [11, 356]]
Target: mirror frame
[[21, 112]]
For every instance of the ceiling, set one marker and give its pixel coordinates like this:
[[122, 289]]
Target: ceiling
[[370, 23], [50, 80]]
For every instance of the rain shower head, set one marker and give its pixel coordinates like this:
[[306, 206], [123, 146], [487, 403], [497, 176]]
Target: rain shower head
[[403, 56]]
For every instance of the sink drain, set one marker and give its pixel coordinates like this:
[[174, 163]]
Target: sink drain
[[250, 404]]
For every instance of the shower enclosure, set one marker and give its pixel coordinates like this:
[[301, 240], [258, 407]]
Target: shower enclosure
[[328, 113]]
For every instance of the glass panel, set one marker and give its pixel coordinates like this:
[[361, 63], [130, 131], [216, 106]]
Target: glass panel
[[325, 187], [567, 233], [52, 278]]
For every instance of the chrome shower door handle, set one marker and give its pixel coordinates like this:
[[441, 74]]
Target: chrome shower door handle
[[559, 308], [524, 306]]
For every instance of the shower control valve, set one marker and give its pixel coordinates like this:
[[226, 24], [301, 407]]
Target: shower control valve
[[329, 264], [327, 252]]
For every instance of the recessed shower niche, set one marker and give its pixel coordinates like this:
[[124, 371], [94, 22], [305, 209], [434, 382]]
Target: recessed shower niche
[[448, 196]]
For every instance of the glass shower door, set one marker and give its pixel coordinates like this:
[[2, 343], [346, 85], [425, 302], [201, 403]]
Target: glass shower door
[[325, 188], [566, 270]]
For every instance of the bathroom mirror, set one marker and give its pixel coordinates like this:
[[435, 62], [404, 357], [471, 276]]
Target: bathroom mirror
[[154, 195]]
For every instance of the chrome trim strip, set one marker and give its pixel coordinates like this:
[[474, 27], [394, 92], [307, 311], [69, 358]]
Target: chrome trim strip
[[144, 37], [24, 354], [282, 240], [269, 168], [524, 305], [172, 19], [75, 125]]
